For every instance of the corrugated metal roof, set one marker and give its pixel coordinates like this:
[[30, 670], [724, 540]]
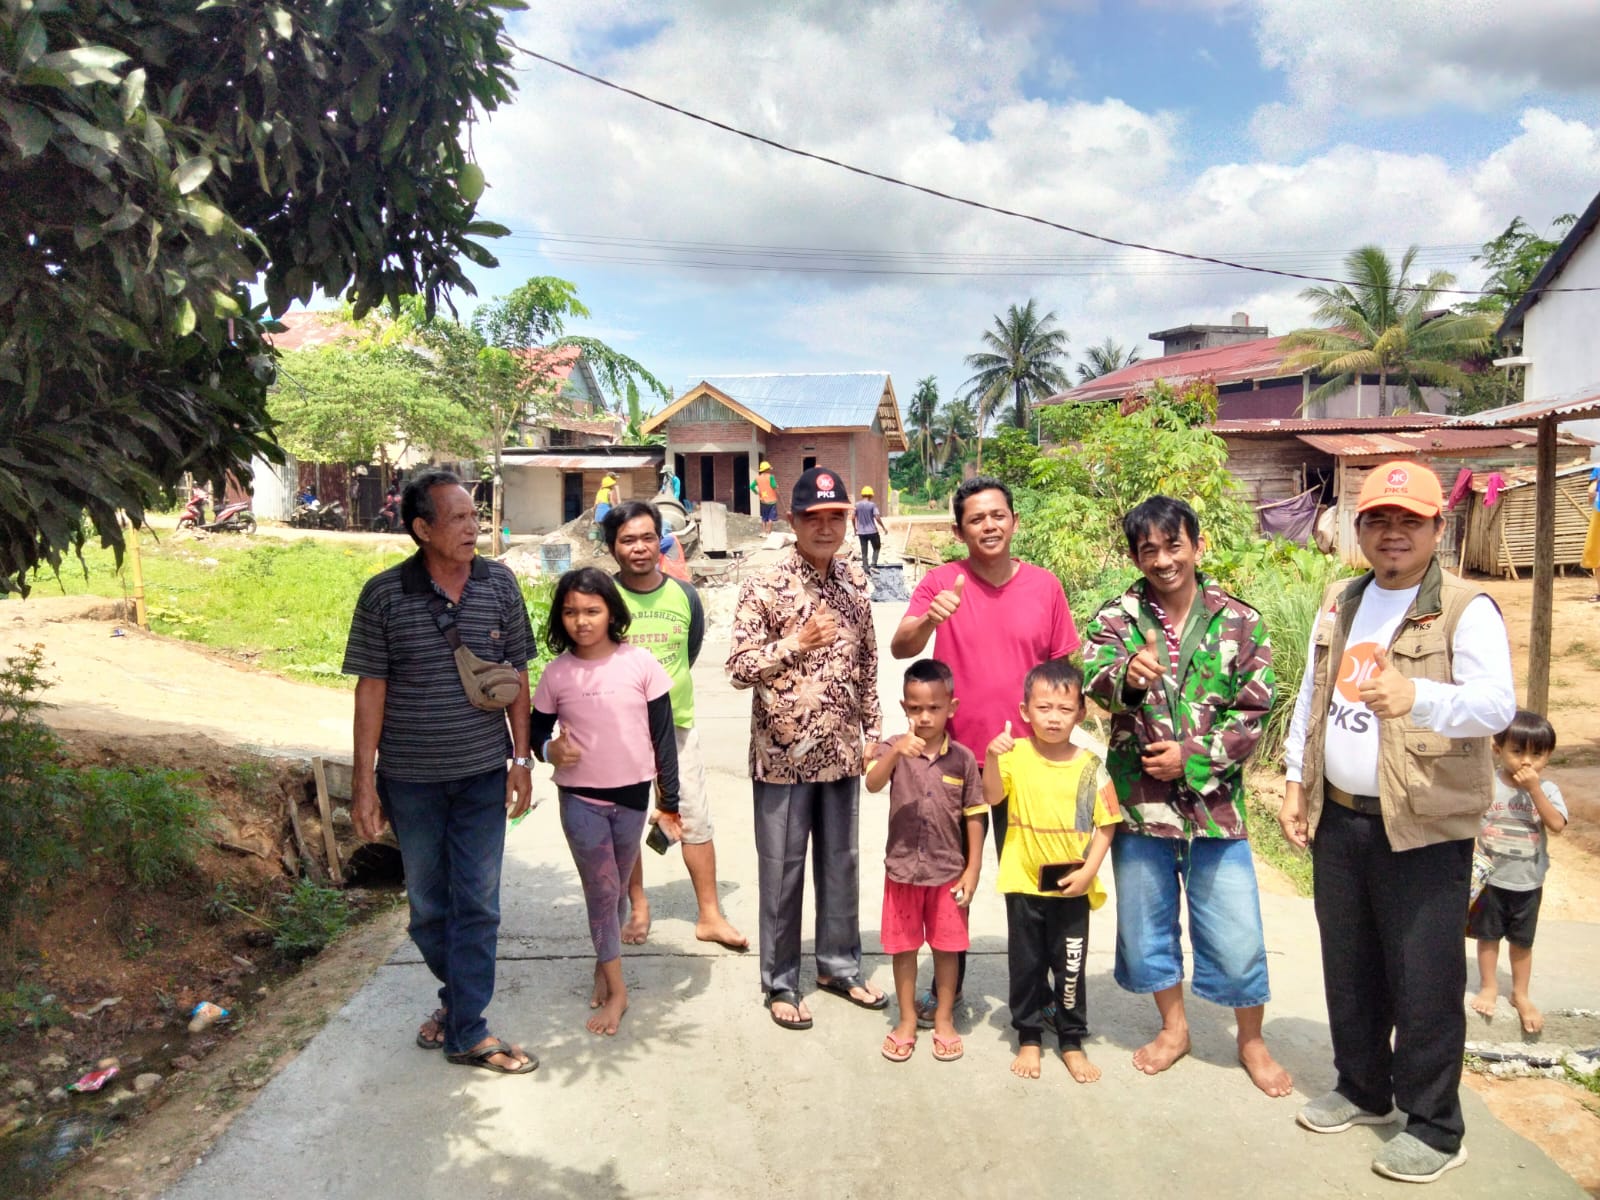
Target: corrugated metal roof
[[1267, 426], [805, 401], [1258, 359], [582, 462], [1578, 405], [309, 329], [1424, 442]]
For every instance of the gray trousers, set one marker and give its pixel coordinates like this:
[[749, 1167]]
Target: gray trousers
[[788, 815]]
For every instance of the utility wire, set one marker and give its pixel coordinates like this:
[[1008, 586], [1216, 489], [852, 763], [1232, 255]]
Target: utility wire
[[992, 208]]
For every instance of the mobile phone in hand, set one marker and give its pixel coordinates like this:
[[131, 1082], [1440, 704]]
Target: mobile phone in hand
[[1050, 875], [658, 840]]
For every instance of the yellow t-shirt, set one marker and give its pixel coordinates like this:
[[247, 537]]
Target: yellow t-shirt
[[1042, 805]]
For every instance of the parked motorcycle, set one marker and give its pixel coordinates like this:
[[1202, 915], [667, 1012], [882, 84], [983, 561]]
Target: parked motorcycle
[[228, 518], [334, 517], [311, 513], [388, 518]]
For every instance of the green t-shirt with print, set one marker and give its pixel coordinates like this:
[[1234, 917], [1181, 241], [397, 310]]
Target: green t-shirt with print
[[670, 623]]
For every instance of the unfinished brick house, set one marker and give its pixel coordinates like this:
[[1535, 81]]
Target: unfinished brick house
[[720, 430]]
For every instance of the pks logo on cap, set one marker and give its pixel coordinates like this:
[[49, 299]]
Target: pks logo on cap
[[825, 486], [1398, 477]]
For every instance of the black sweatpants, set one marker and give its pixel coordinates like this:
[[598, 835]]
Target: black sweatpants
[[869, 539], [1392, 964], [1048, 937]]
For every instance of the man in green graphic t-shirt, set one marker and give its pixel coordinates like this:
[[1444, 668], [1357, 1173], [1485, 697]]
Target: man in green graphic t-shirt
[[669, 622]]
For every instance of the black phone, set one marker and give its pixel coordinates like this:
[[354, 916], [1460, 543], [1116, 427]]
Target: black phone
[[1050, 875], [658, 840]]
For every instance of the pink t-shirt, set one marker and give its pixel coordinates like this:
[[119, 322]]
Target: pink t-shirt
[[603, 705], [995, 638]]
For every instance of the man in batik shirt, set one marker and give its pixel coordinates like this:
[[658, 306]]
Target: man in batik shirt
[[1186, 672], [803, 644]]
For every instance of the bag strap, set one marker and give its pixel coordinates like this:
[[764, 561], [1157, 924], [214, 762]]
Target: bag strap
[[445, 620]]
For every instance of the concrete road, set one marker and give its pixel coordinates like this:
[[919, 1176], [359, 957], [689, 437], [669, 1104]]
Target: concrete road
[[701, 1095]]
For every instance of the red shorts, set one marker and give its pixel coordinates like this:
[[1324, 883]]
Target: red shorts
[[915, 915]]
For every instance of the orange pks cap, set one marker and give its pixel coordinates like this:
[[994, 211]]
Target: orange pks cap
[[1406, 485]]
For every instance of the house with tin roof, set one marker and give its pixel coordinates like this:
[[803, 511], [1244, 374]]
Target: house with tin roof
[[722, 428]]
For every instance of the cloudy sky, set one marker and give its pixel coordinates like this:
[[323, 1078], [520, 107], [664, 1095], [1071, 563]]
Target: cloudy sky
[[1275, 132]]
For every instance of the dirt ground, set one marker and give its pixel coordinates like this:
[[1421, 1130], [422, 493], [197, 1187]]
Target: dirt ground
[[133, 695]]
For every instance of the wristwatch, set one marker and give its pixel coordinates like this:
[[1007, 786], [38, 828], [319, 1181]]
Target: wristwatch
[[522, 762]]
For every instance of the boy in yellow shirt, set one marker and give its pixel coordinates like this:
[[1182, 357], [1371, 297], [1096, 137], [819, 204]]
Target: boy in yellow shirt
[[1063, 813]]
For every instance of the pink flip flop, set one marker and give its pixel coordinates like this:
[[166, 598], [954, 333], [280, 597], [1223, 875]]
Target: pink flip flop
[[947, 1049], [898, 1050]]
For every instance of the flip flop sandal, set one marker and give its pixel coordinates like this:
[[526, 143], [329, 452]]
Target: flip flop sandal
[[792, 998], [481, 1056], [947, 1049], [843, 987], [428, 1043], [898, 1050]]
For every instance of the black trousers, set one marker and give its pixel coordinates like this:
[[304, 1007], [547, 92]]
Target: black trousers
[[998, 812], [1393, 968], [869, 539], [1047, 938]]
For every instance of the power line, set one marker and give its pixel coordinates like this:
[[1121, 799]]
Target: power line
[[1230, 264]]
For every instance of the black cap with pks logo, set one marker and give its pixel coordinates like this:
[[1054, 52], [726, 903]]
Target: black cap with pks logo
[[818, 490]]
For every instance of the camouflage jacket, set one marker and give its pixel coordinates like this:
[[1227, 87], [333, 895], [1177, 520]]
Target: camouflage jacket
[[1212, 701]]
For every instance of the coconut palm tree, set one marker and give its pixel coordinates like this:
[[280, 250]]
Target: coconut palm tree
[[922, 418], [955, 428], [1024, 358], [1383, 324], [1104, 359]]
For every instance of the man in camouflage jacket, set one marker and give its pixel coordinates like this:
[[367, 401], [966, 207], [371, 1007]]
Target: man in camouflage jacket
[[1185, 671]]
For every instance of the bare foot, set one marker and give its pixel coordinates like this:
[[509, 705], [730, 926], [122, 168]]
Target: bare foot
[[718, 930], [609, 1016], [1026, 1064], [1167, 1048], [1263, 1069], [1078, 1063], [1483, 1002], [638, 927], [1532, 1018], [601, 991]]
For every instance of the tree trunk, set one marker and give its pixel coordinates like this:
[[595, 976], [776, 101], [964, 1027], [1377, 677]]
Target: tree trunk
[[1383, 393], [495, 546]]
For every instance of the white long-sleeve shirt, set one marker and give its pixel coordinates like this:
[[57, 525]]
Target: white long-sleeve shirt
[[1480, 702]]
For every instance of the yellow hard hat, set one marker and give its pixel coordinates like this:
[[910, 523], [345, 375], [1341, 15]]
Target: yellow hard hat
[[765, 465], [608, 481], [867, 491]]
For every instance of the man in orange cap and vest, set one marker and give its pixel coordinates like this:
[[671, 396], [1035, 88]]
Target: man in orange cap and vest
[[1389, 771]]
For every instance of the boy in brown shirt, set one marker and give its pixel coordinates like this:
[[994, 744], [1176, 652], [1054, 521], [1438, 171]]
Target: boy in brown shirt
[[936, 811]]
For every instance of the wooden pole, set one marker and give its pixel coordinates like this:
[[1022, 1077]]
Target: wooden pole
[[1544, 570], [136, 569]]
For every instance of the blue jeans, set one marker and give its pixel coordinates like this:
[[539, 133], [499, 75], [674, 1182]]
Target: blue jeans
[[1219, 880], [452, 837]]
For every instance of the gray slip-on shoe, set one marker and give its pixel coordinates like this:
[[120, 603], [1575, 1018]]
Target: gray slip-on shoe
[[1332, 1113], [1411, 1160]]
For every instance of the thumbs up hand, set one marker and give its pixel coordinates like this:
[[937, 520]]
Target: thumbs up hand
[[944, 605], [1003, 742], [1386, 692]]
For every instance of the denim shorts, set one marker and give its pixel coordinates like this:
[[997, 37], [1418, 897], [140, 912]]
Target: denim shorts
[[1219, 880]]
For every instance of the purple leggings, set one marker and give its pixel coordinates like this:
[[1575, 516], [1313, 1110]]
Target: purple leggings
[[604, 839]]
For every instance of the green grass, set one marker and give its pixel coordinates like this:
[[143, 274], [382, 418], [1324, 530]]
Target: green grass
[[284, 606], [1267, 840]]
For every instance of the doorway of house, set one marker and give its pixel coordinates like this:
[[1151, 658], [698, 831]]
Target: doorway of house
[[808, 462], [708, 477], [571, 495], [741, 483]]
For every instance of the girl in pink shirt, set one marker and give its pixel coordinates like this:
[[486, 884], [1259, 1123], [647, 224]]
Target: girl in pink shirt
[[616, 739]]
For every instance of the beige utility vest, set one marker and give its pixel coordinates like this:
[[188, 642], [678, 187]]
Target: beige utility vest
[[1432, 788]]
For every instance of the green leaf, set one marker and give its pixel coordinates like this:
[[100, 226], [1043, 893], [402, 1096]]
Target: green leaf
[[487, 229], [30, 128], [32, 42], [364, 100], [84, 65], [191, 173], [470, 183], [132, 93], [282, 23], [207, 215], [393, 136], [89, 134]]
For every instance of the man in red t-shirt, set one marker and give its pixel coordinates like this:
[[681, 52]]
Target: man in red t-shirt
[[992, 619]]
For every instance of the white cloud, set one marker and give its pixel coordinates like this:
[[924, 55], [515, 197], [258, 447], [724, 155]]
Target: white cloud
[[1381, 58], [899, 86]]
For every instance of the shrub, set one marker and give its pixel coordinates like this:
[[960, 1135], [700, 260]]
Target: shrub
[[35, 825], [308, 918], [149, 822]]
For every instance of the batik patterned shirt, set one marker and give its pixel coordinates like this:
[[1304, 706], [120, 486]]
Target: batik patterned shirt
[[1212, 701], [810, 711]]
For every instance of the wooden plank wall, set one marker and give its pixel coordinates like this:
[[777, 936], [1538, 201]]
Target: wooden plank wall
[[1500, 540]]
